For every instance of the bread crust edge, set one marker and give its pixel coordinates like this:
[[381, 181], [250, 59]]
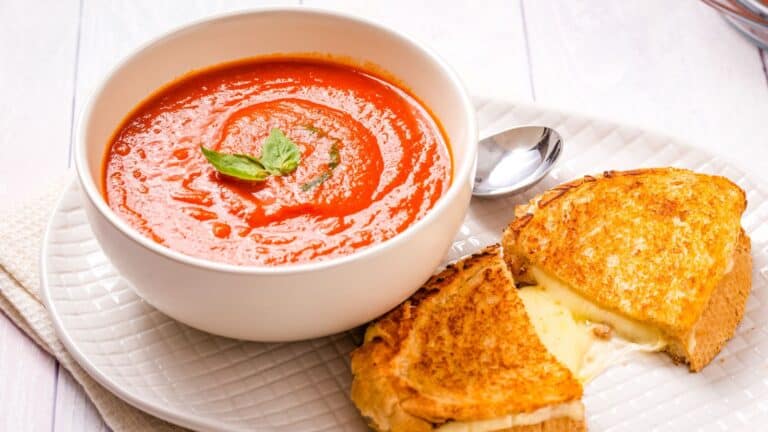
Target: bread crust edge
[[722, 315]]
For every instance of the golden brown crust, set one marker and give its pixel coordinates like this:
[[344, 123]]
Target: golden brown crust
[[560, 424], [722, 314], [461, 348], [650, 244]]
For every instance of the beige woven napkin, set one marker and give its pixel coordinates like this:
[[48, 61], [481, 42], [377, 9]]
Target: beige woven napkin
[[21, 235]]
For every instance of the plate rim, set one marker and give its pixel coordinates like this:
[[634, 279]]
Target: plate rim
[[197, 422], [191, 421]]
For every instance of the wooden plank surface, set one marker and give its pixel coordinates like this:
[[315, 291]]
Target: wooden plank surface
[[27, 382], [74, 411], [35, 116], [483, 41], [671, 66], [37, 65]]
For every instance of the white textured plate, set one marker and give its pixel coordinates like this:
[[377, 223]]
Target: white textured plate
[[212, 383]]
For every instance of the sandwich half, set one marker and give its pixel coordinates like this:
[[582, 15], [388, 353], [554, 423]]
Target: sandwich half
[[462, 355], [657, 254]]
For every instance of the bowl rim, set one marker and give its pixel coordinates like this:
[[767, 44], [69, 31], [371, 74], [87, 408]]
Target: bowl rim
[[461, 174]]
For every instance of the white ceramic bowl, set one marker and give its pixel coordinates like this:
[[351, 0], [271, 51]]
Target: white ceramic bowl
[[293, 301]]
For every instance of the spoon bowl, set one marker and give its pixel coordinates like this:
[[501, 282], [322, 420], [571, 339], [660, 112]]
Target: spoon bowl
[[515, 159]]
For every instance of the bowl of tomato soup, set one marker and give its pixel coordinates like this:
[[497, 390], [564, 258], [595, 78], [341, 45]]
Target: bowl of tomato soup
[[277, 174]]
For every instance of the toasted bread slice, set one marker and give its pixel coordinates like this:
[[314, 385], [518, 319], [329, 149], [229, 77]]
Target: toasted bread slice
[[462, 349], [662, 248]]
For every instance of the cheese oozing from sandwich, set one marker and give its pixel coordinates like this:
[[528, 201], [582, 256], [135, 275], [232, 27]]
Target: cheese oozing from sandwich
[[565, 322], [572, 328], [566, 338], [583, 346], [584, 310]]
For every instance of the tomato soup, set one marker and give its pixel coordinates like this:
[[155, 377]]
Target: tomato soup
[[373, 161]]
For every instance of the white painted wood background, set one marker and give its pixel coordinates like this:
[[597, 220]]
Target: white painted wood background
[[674, 66]]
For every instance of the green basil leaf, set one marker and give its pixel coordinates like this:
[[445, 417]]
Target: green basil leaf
[[333, 155], [279, 155], [333, 162], [316, 181], [239, 166]]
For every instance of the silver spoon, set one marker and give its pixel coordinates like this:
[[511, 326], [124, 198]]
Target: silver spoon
[[515, 159]]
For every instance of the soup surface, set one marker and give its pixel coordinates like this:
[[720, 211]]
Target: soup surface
[[373, 161]]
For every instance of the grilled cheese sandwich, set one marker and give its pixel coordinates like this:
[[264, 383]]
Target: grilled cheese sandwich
[[462, 354], [658, 254]]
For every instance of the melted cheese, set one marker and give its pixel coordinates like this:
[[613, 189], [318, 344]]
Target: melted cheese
[[574, 410], [605, 353], [583, 309], [571, 340], [567, 339]]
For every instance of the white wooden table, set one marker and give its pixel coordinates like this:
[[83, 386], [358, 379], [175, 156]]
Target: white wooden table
[[674, 66]]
